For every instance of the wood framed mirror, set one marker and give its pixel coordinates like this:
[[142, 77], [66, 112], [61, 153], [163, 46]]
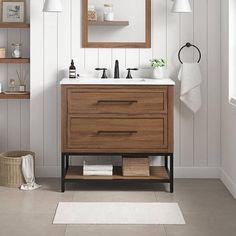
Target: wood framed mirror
[[116, 23]]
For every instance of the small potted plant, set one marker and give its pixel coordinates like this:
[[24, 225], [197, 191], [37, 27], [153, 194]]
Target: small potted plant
[[158, 66]]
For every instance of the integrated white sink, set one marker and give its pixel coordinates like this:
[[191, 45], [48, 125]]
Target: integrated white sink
[[122, 81]]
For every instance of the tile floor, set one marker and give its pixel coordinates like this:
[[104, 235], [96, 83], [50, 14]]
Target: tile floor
[[208, 208]]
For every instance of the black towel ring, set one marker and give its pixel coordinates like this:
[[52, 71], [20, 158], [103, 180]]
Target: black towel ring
[[188, 45]]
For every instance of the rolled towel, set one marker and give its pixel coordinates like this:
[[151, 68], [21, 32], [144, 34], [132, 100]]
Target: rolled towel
[[191, 79], [28, 173]]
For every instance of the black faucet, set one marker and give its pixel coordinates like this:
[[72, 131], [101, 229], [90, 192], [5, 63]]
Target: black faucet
[[104, 75], [129, 76], [116, 71]]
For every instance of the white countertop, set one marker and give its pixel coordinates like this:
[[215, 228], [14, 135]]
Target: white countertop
[[111, 81]]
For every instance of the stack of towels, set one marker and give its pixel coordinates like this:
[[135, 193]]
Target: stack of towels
[[90, 169]]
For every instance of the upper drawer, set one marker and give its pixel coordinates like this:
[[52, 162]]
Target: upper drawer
[[117, 102]]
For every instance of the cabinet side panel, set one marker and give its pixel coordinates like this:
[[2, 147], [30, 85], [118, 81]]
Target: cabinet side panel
[[170, 128], [63, 118]]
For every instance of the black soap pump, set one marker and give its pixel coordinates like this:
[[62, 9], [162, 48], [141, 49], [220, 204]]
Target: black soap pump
[[72, 70]]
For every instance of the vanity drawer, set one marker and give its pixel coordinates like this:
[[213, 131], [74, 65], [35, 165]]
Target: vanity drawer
[[118, 102], [117, 134]]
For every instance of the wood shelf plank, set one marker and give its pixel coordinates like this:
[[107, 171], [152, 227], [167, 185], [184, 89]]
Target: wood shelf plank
[[157, 173], [109, 23], [14, 60], [14, 25], [15, 96]]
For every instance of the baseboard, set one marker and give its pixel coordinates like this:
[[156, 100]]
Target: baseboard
[[197, 172], [180, 172], [228, 182], [48, 171]]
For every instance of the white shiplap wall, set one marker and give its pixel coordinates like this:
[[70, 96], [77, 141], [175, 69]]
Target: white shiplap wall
[[56, 38], [14, 114]]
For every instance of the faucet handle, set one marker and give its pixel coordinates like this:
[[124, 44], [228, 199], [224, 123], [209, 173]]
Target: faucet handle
[[104, 75], [129, 72]]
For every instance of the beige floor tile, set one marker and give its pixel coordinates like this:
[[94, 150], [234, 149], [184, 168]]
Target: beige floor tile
[[204, 225], [208, 208], [199, 183], [195, 199], [115, 196], [40, 200], [29, 224], [116, 230]]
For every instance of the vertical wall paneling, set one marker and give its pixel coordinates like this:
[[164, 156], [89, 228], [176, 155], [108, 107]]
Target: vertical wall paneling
[[76, 50], [105, 59], [64, 51], [159, 28], [25, 125], [186, 118], [37, 86], [13, 125], [213, 92], [173, 65], [133, 60], [3, 126], [200, 119], [91, 61], [14, 111], [50, 89], [132, 57], [3, 103]]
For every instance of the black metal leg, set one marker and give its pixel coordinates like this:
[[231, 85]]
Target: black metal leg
[[62, 172], [166, 162], [171, 173], [67, 161]]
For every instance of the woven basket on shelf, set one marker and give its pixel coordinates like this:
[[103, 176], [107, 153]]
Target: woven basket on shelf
[[10, 168], [135, 166]]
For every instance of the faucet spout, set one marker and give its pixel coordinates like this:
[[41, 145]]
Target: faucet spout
[[117, 71]]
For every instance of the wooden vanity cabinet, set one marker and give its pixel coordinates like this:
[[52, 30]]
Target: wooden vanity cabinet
[[117, 120]]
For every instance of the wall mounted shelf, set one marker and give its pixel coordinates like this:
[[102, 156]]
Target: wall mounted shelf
[[109, 23], [14, 25], [14, 60], [15, 96]]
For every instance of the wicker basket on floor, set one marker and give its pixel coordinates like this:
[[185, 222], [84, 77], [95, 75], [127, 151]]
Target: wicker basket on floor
[[10, 168]]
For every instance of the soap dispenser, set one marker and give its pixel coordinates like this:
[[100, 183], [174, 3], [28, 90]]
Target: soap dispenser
[[72, 70]]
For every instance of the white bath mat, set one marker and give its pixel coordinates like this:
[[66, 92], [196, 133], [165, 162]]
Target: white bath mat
[[118, 213]]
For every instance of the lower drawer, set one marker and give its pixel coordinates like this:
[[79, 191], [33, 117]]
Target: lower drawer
[[118, 133]]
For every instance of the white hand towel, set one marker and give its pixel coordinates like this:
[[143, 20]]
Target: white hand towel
[[191, 79], [28, 173]]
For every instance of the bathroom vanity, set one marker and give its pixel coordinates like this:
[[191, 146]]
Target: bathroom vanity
[[117, 117]]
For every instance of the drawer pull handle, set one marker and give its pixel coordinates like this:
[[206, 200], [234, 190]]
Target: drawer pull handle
[[116, 132], [117, 102]]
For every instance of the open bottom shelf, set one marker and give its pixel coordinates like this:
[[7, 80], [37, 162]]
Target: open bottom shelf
[[158, 173]]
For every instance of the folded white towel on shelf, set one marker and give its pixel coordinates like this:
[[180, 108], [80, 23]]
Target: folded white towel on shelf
[[191, 79], [97, 172], [28, 173], [92, 167]]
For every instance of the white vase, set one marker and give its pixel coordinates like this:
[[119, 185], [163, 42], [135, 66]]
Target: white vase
[[158, 73]]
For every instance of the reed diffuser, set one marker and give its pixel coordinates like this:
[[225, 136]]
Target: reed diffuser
[[22, 77]]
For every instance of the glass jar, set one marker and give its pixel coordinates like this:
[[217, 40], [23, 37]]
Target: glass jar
[[16, 50], [92, 14], [12, 85], [108, 12]]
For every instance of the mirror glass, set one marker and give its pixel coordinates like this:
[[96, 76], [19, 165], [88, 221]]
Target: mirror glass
[[117, 23]]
